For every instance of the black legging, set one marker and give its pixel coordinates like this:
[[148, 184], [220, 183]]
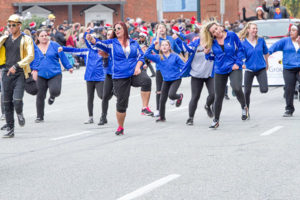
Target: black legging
[[91, 86], [262, 79], [169, 89], [159, 81], [196, 87], [54, 85], [236, 77], [107, 93], [290, 77]]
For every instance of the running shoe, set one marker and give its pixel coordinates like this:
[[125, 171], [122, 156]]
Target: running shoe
[[215, 124], [209, 111], [21, 120], [10, 133], [120, 131], [146, 111], [2, 117], [38, 120], [4, 127], [190, 122], [89, 121], [288, 114], [103, 120], [179, 101], [161, 119], [50, 101], [156, 113], [245, 113]]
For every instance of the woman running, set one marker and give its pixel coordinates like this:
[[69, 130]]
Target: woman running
[[170, 66], [127, 58], [225, 48], [256, 64], [48, 74], [201, 71], [94, 73], [291, 65]]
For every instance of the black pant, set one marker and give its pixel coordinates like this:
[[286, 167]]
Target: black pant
[[236, 77], [196, 86], [107, 93], [169, 89], [13, 88], [122, 86], [148, 63], [91, 86], [290, 77], [54, 85], [262, 79], [159, 81]]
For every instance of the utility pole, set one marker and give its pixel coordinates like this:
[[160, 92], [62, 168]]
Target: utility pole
[[222, 10], [199, 11]]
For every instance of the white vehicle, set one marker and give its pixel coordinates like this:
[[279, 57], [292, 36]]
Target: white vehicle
[[273, 30]]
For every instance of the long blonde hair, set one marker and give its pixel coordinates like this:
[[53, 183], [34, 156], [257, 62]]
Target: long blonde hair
[[160, 52], [244, 33], [206, 36], [69, 33]]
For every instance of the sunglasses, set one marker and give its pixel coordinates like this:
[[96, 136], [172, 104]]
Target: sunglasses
[[12, 25], [117, 29]]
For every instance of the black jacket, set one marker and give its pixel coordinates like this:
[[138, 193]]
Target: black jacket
[[272, 11], [60, 38]]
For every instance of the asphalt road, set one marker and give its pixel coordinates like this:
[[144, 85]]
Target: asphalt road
[[64, 159]]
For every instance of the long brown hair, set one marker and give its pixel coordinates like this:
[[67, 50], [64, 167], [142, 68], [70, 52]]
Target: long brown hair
[[38, 32], [126, 36]]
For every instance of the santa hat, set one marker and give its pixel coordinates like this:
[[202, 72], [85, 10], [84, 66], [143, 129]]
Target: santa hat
[[107, 25], [144, 29], [32, 25], [135, 24], [1, 29], [193, 18], [259, 8], [175, 29], [143, 33]]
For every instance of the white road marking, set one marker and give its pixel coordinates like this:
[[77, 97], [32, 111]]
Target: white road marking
[[148, 188], [69, 136], [177, 109], [271, 131]]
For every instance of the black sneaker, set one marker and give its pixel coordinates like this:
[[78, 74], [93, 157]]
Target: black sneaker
[[21, 120], [215, 124], [10, 133], [38, 120], [51, 100], [288, 114], [89, 121], [120, 132], [161, 119], [245, 113], [103, 120], [209, 111], [190, 122], [4, 127], [179, 101], [147, 112]]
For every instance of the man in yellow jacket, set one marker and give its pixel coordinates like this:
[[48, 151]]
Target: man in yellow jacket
[[19, 53]]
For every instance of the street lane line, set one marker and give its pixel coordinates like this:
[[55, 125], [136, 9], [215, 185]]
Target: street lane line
[[176, 109], [148, 188], [271, 131], [72, 135]]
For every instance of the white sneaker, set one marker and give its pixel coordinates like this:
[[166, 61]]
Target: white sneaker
[[156, 113], [172, 102]]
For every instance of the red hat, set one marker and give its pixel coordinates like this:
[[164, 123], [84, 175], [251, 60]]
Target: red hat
[[193, 22], [32, 24], [175, 29], [193, 18], [107, 25], [144, 29], [259, 8], [143, 33], [1, 29], [135, 24]]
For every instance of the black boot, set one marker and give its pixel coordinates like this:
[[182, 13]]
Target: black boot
[[21, 119], [10, 133], [103, 120]]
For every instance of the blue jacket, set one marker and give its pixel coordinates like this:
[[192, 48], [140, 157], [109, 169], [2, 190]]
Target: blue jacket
[[233, 54], [291, 58], [255, 60], [49, 65], [170, 67], [191, 49], [122, 67], [35, 63]]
